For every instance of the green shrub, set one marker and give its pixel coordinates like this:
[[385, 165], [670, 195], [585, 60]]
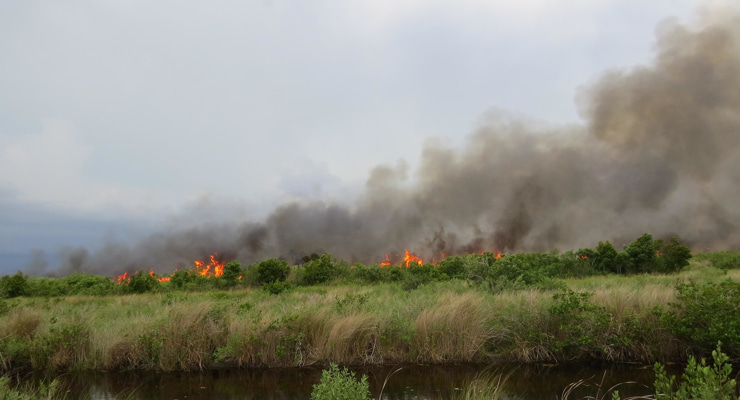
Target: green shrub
[[699, 380], [706, 314], [142, 282], [452, 267], [320, 270], [340, 384], [578, 323], [721, 259], [232, 273], [642, 253], [14, 286], [672, 255], [272, 270], [44, 391], [606, 258], [276, 287], [86, 284], [180, 279]]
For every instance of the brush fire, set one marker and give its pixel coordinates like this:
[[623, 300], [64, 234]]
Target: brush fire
[[214, 268]]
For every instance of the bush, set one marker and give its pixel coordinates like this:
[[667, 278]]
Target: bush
[[724, 260], [272, 270], [453, 267], [707, 313], [276, 287], [340, 384], [182, 278], [606, 258], [142, 282], [642, 254], [320, 270], [579, 323], [699, 380], [13, 286], [672, 256], [232, 273]]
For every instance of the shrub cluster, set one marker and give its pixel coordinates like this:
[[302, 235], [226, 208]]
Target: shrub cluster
[[706, 313], [495, 273]]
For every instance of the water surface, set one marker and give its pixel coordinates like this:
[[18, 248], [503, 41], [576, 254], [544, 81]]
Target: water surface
[[411, 382]]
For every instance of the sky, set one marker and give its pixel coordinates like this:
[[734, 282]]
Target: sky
[[119, 119]]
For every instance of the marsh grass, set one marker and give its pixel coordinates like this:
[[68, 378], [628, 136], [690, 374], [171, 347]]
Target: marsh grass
[[486, 385], [439, 322], [454, 329]]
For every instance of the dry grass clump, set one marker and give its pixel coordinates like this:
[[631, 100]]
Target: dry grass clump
[[22, 323], [456, 328], [626, 299], [344, 339]]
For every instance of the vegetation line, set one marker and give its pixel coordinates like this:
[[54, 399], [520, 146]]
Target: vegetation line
[[643, 304]]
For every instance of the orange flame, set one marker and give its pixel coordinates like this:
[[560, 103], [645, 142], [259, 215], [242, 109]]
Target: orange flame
[[409, 258], [204, 269], [387, 261], [584, 257], [120, 279], [498, 255]]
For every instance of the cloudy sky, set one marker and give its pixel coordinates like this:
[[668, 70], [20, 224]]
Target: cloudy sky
[[121, 118]]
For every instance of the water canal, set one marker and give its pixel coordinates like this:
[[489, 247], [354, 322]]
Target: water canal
[[410, 383]]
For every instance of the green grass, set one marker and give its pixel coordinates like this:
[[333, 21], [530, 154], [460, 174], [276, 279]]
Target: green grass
[[438, 322]]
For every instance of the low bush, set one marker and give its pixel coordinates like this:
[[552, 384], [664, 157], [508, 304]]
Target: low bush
[[233, 272], [320, 270], [276, 287], [142, 282], [724, 260], [705, 314], [340, 384], [272, 270], [699, 380], [13, 286]]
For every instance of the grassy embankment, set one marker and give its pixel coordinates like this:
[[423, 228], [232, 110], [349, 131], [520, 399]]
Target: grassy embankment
[[436, 322]]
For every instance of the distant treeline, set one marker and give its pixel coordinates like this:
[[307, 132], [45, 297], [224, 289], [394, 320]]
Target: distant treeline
[[643, 255]]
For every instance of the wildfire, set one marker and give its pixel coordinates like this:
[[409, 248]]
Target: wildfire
[[120, 279], [205, 269], [214, 268], [409, 258], [584, 257], [387, 261]]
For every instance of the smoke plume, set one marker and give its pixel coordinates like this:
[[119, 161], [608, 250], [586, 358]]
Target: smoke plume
[[658, 152]]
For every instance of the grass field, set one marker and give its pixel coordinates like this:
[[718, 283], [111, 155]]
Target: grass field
[[606, 317]]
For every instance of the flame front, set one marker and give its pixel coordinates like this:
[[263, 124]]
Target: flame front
[[121, 279], [409, 258], [387, 261], [205, 269]]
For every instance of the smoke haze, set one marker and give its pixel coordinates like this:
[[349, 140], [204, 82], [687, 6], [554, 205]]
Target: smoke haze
[[657, 153]]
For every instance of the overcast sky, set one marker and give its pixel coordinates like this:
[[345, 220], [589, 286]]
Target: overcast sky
[[120, 117]]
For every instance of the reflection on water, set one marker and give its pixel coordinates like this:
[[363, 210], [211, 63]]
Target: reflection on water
[[411, 382]]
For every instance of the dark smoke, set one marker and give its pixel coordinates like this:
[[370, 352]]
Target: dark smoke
[[658, 153]]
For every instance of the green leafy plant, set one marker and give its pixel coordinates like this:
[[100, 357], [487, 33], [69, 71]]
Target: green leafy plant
[[320, 270], [276, 287], [13, 286], [272, 270], [705, 314], [340, 384], [699, 380]]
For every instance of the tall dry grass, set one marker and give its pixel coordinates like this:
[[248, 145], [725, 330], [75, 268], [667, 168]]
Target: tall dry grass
[[454, 329], [438, 322]]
